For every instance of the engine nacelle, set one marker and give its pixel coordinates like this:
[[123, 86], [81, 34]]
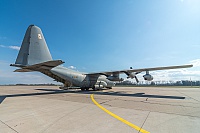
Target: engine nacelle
[[148, 77], [100, 84], [114, 78]]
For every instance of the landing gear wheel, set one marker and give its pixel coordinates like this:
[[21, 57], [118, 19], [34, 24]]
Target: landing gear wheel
[[82, 89], [94, 88], [63, 88]]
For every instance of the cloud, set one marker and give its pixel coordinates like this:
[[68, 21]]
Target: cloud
[[14, 47], [196, 63], [72, 67], [176, 74], [180, 74], [11, 47]]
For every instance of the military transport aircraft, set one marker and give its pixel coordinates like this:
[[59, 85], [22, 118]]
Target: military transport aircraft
[[34, 55]]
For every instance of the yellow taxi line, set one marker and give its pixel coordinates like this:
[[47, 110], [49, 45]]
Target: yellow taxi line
[[117, 117]]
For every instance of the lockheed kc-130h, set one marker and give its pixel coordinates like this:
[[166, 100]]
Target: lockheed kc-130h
[[34, 55]]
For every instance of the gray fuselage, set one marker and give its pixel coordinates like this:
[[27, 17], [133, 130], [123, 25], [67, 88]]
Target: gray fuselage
[[80, 79]]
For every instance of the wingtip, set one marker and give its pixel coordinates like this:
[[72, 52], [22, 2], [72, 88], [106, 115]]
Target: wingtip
[[190, 65], [61, 61]]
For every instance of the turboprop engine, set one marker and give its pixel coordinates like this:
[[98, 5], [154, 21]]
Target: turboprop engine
[[114, 78], [147, 76], [100, 84]]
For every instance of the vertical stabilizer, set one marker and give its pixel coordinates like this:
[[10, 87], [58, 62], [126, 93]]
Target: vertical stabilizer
[[34, 49]]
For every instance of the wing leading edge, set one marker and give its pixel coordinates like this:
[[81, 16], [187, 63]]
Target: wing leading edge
[[107, 73]]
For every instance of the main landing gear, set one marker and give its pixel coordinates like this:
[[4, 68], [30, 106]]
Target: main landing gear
[[93, 88], [64, 88], [84, 89]]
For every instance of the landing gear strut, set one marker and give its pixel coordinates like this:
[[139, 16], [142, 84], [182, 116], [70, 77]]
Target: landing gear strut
[[66, 86]]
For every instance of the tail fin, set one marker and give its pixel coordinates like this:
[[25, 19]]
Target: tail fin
[[34, 49]]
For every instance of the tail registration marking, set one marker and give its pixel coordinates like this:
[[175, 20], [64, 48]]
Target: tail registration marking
[[117, 117]]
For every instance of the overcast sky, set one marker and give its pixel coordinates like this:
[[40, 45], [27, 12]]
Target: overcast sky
[[103, 35]]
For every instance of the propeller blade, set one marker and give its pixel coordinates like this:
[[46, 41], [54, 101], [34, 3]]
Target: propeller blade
[[137, 73], [136, 79]]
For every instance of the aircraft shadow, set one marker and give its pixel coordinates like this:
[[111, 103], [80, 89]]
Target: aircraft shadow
[[2, 98], [55, 91], [116, 94], [140, 95]]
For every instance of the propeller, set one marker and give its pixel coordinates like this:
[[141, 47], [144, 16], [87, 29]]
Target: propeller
[[136, 77], [132, 75]]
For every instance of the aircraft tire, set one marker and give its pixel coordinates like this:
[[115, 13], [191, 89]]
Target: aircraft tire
[[63, 88], [83, 89], [94, 88]]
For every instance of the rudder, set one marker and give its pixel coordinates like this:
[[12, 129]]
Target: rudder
[[34, 49]]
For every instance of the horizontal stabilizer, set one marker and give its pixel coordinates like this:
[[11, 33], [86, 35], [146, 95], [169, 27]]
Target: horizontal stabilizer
[[23, 70], [38, 67]]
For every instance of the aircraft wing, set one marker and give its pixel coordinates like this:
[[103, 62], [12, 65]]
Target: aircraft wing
[[140, 70]]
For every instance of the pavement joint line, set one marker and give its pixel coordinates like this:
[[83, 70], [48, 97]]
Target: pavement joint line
[[61, 118], [145, 120], [117, 117], [105, 102], [189, 96], [9, 126]]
